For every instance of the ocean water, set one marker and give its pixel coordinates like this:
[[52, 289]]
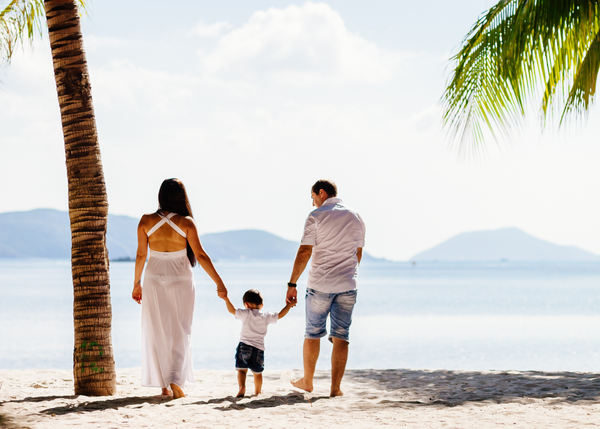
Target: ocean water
[[477, 316]]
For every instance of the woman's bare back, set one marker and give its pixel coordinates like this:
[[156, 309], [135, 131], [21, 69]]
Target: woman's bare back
[[165, 238]]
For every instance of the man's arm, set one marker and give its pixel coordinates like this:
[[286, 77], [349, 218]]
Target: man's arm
[[359, 254], [302, 258]]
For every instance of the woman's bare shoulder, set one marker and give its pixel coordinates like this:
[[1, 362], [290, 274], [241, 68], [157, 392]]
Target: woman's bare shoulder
[[148, 218], [186, 221]]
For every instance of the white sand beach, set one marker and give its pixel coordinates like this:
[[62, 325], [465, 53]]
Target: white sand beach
[[373, 398]]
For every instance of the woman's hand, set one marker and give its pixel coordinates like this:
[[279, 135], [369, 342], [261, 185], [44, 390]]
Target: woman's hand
[[222, 291], [137, 293]]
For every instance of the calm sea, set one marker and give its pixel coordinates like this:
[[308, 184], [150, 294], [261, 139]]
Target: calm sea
[[477, 316]]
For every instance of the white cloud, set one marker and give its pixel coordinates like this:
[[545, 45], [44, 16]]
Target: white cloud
[[94, 42], [212, 30], [300, 45], [123, 84]]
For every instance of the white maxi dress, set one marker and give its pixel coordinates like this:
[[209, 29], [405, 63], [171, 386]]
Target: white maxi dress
[[167, 315]]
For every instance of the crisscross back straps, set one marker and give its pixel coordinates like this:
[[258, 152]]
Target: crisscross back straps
[[166, 219]]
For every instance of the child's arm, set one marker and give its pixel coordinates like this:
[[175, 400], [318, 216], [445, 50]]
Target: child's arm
[[230, 306], [287, 307]]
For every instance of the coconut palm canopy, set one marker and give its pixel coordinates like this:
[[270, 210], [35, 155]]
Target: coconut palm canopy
[[518, 52], [20, 21]]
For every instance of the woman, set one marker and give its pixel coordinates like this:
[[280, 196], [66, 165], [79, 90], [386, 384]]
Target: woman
[[169, 292]]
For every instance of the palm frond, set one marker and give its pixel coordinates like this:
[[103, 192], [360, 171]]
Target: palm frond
[[524, 48], [20, 21], [584, 85]]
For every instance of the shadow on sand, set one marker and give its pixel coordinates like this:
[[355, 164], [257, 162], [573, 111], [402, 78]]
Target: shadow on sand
[[259, 402], [451, 388], [100, 405]]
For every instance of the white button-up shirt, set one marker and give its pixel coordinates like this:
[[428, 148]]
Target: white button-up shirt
[[335, 232]]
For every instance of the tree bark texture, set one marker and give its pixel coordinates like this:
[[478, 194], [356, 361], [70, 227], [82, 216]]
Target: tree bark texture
[[93, 362]]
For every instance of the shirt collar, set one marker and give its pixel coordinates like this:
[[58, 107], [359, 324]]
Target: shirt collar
[[331, 200]]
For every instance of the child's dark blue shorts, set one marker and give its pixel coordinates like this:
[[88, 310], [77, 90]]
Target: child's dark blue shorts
[[249, 357]]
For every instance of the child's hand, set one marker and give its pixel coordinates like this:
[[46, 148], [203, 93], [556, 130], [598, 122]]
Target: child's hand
[[222, 291], [292, 302]]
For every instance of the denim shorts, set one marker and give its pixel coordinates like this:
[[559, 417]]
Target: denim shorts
[[249, 357], [338, 306]]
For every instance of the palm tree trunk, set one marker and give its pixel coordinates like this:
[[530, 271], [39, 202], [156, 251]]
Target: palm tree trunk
[[93, 363]]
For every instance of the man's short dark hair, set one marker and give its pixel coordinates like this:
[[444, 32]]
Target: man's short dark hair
[[327, 185], [253, 297]]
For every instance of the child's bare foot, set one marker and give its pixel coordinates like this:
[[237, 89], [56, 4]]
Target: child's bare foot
[[336, 392], [177, 392], [302, 384], [166, 392], [241, 393]]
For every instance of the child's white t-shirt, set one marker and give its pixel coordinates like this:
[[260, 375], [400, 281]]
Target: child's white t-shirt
[[254, 326]]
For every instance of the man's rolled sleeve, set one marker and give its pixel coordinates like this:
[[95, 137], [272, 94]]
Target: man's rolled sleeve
[[309, 238]]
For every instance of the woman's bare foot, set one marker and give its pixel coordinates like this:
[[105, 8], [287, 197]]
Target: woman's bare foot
[[301, 384], [241, 393], [336, 392], [166, 392], [177, 392]]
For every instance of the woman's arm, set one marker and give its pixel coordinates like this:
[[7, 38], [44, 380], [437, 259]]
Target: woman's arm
[[202, 257], [140, 261]]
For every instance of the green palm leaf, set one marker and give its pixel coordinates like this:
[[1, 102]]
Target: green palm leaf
[[517, 52], [22, 20]]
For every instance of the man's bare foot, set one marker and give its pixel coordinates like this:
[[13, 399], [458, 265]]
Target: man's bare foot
[[241, 393], [166, 392], [177, 392], [301, 384], [336, 392]]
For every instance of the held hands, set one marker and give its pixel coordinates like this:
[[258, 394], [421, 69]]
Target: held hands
[[291, 296], [222, 291], [137, 293], [291, 303]]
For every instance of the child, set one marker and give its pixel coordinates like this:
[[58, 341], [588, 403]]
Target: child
[[250, 351]]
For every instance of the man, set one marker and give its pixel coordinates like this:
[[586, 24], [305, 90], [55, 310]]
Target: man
[[334, 236]]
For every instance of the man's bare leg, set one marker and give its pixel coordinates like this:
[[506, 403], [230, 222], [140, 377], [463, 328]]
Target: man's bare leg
[[339, 357], [257, 384], [311, 354], [241, 383]]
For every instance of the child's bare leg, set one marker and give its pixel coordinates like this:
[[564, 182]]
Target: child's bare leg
[[257, 383], [241, 383]]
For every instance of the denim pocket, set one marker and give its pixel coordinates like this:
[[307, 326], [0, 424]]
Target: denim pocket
[[245, 352], [260, 358]]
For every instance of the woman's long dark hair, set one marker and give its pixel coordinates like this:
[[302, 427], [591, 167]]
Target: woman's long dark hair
[[172, 197]]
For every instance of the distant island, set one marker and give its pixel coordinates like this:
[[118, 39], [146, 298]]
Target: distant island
[[510, 244], [45, 233]]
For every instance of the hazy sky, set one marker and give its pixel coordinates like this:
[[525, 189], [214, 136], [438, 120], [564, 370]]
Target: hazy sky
[[250, 102]]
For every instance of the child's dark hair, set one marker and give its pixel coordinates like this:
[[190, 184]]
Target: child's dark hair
[[253, 297]]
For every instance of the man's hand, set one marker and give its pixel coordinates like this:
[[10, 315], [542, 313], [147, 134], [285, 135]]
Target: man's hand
[[291, 296]]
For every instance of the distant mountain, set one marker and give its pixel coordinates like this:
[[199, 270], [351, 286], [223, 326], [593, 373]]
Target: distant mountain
[[45, 233], [509, 243]]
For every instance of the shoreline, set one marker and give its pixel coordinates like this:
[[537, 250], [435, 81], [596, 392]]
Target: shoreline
[[372, 398]]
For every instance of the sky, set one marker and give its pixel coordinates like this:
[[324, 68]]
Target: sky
[[250, 102]]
